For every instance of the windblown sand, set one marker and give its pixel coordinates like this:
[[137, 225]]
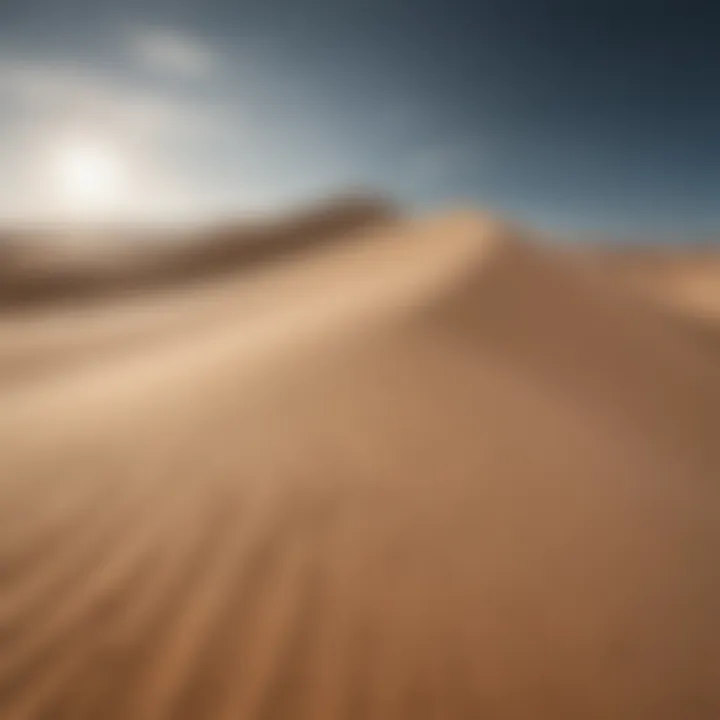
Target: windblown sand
[[438, 472]]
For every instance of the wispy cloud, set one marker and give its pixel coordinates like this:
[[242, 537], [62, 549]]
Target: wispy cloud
[[57, 93], [171, 52]]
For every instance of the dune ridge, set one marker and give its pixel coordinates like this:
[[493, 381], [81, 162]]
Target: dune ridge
[[74, 265]]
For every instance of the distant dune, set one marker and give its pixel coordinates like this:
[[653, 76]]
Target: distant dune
[[687, 278], [38, 267], [438, 471]]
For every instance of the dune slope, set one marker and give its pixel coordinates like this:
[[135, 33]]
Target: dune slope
[[441, 473]]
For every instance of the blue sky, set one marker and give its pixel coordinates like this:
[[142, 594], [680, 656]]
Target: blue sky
[[590, 115]]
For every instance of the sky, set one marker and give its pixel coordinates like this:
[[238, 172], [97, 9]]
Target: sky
[[588, 115]]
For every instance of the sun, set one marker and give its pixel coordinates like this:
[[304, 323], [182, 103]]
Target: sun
[[90, 176]]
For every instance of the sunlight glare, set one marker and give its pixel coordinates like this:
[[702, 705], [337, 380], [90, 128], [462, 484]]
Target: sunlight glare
[[91, 176]]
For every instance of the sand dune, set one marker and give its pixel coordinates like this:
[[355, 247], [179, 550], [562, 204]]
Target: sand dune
[[70, 265], [438, 472]]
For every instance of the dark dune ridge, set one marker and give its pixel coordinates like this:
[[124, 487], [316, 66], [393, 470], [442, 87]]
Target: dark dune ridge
[[34, 270], [439, 471]]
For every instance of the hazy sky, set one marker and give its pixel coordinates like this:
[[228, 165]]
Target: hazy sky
[[589, 114]]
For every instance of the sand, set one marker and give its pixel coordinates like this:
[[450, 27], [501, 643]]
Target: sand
[[438, 472]]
